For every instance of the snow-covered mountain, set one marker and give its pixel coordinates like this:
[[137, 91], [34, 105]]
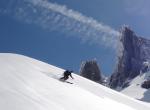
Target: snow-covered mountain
[[136, 90], [132, 76], [29, 84]]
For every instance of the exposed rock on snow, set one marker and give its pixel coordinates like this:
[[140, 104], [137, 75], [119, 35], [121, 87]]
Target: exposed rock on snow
[[146, 84]]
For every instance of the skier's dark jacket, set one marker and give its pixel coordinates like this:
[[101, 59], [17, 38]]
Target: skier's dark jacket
[[66, 74]]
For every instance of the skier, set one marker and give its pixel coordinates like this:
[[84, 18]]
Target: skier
[[66, 75]]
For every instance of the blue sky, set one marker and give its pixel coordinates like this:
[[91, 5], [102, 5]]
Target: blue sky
[[64, 40]]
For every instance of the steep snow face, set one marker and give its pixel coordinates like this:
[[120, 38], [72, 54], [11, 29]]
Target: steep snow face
[[135, 89], [28, 84]]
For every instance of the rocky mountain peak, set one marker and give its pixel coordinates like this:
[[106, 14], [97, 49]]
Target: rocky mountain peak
[[135, 51]]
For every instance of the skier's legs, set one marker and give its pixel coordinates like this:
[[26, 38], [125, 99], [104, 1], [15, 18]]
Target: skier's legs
[[62, 78], [66, 77]]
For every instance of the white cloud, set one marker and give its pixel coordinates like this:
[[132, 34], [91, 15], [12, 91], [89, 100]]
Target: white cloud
[[53, 16]]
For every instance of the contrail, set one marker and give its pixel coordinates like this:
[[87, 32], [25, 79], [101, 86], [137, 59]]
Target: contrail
[[53, 16]]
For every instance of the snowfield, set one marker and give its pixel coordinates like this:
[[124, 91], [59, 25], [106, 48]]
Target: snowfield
[[29, 84], [136, 91]]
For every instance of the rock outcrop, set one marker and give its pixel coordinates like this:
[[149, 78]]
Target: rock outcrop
[[90, 70], [146, 84]]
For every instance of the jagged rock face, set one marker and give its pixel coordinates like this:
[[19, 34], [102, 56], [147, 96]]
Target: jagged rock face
[[135, 51], [90, 70]]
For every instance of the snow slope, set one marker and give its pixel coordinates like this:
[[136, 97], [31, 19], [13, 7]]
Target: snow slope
[[136, 91], [28, 84]]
